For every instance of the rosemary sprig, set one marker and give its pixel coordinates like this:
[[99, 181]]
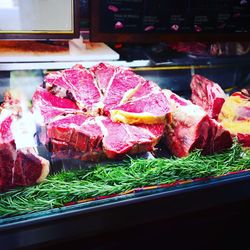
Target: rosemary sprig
[[69, 186]]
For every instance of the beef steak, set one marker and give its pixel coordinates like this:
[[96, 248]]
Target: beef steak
[[192, 128], [128, 97], [89, 113], [78, 84], [120, 138], [147, 104], [47, 106], [18, 167], [208, 95]]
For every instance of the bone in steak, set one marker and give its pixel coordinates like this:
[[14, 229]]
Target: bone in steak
[[128, 97], [48, 106], [208, 95], [120, 138], [18, 167], [93, 133], [146, 105], [192, 128], [78, 131], [86, 137], [78, 84]]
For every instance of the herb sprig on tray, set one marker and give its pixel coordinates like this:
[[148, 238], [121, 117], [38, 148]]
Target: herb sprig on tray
[[102, 180]]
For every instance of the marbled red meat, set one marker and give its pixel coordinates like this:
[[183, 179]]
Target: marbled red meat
[[48, 106], [192, 128], [137, 108], [88, 130], [79, 131], [18, 167], [120, 138], [77, 84], [81, 135], [208, 95], [128, 97]]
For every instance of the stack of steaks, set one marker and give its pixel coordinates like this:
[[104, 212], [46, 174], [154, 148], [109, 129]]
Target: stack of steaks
[[103, 112]]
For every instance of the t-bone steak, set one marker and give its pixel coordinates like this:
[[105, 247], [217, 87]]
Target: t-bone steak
[[47, 106], [128, 97], [105, 111], [77, 84]]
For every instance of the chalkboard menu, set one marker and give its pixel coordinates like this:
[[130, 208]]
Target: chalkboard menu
[[179, 17]]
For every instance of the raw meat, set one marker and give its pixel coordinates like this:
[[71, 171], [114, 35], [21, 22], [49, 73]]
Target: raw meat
[[128, 97], [208, 95], [81, 136], [120, 139], [18, 167], [235, 116], [77, 84], [47, 106], [116, 83], [78, 131], [146, 105], [89, 114], [192, 128], [219, 138]]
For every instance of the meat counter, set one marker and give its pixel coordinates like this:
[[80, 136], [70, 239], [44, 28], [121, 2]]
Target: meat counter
[[142, 206]]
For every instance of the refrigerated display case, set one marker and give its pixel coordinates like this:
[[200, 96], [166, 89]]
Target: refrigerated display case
[[142, 206], [166, 211]]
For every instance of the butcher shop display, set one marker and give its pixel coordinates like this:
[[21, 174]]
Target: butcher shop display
[[106, 116]]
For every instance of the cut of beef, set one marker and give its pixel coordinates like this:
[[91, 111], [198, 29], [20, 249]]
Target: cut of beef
[[87, 137], [189, 127], [62, 150], [128, 97], [116, 84], [30, 168], [120, 139], [192, 128], [78, 131], [235, 116], [105, 74], [18, 167], [85, 120], [219, 138], [208, 95], [47, 106], [146, 105], [42, 97], [77, 84]]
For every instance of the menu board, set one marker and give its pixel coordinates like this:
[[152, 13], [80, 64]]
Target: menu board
[[178, 16]]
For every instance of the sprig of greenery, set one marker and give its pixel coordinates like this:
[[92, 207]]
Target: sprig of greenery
[[74, 185]]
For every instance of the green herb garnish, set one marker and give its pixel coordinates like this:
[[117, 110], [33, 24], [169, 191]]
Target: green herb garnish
[[103, 180]]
